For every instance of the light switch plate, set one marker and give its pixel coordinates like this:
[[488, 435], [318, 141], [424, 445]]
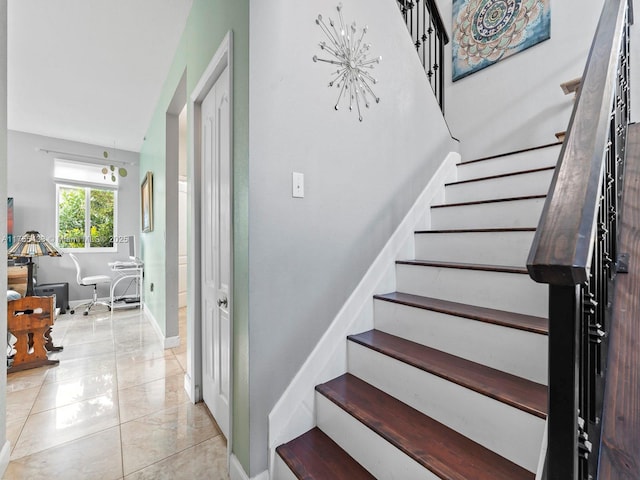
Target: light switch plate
[[297, 185]]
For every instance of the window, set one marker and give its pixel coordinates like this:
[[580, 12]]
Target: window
[[85, 210]]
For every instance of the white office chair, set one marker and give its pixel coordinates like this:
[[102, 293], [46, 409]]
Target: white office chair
[[92, 281]]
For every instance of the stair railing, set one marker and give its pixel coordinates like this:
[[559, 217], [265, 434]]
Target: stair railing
[[429, 37], [575, 248]]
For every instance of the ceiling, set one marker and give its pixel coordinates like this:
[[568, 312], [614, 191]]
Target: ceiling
[[90, 70]]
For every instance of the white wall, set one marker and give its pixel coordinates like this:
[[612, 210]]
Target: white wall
[[307, 255], [517, 102], [30, 183]]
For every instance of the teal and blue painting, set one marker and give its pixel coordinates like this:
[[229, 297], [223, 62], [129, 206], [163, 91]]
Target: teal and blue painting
[[487, 31]]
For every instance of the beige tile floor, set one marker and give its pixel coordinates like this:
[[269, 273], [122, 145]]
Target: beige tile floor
[[115, 408]]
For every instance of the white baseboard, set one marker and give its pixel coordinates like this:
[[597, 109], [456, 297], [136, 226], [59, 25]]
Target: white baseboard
[[236, 472], [5, 454], [294, 413], [168, 342], [188, 388]]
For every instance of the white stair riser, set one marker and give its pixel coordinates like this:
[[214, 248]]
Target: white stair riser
[[508, 214], [489, 248], [502, 291], [534, 183], [281, 470], [383, 460], [546, 157], [508, 431], [507, 349]]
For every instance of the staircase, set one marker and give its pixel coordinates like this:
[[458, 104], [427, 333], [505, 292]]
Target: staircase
[[451, 383]]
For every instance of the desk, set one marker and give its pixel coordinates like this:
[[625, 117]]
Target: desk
[[135, 272]]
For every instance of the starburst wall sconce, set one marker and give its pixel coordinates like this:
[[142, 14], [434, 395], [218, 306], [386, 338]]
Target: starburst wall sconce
[[350, 53]]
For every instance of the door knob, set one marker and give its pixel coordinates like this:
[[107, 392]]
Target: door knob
[[222, 302]]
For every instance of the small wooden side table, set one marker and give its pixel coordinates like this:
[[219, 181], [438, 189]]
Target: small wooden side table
[[30, 320]]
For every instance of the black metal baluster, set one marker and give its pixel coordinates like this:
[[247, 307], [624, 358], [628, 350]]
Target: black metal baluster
[[411, 18], [424, 29], [417, 43], [564, 381], [441, 80], [430, 71], [428, 37]]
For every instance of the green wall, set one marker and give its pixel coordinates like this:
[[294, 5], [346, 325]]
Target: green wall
[[208, 23]]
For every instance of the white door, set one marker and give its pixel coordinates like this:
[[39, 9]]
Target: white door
[[216, 251]]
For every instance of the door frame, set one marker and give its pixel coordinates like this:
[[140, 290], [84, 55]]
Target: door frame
[[172, 143], [222, 59]]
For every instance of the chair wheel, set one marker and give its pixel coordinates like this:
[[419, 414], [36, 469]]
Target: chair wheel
[[72, 312], [85, 313]]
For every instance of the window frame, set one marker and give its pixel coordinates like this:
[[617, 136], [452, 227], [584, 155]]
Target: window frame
[[87, 216]]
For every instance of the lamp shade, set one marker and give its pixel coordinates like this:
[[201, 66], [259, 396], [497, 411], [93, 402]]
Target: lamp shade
[[33, 244]]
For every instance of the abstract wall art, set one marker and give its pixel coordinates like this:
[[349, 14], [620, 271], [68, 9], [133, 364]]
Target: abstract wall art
[[349, 51], [487, 31]]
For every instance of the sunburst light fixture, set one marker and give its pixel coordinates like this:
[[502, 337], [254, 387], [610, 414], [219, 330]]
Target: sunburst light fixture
[[350, 53]]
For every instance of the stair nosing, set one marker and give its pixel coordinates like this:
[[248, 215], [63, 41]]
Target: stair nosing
[[465, 266], [501, 175], [515, 152], [478, 230], [493, 200], [432, 463], [463, 382], [286, 452], [484, 314]]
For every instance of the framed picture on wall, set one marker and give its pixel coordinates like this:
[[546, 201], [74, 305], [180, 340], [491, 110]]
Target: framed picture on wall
[[488, 31], [146, 202]]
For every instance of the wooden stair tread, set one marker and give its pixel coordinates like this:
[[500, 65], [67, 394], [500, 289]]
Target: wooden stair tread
[[506, 154], [446, 453], [314, 456], [528, 323], [465, 266], [477, 230], [501, 175], [493, 200], [518, 392]]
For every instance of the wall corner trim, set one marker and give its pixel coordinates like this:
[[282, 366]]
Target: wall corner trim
[[171, 342], [192, 393], [168, 342], [236, 472], [4, 457]]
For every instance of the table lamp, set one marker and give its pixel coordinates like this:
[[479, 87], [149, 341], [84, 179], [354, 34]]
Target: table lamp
[[32, 244]]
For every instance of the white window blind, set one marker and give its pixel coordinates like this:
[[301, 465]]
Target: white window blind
[[84, 173]]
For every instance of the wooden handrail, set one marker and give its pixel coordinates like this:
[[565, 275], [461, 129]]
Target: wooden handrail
[[576, 246], [562, 247], [437, 19]]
